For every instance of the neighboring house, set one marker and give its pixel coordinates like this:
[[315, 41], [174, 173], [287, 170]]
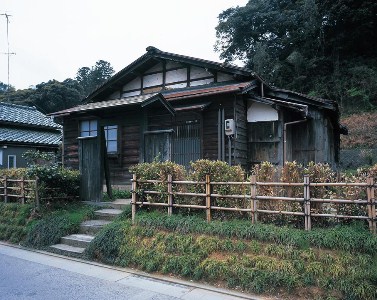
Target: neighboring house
[[172, 107], [24, 128]]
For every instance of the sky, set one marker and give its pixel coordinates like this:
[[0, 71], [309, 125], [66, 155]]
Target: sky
[[53, 39]]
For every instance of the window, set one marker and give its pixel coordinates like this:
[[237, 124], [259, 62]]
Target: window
[[11, 161], [1, 157], [111, 135], [88, 128]]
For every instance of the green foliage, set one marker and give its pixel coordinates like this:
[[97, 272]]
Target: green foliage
[[54, 225], [117, 194], [56, 181], [254, 265], [14, 219], [301, 45]]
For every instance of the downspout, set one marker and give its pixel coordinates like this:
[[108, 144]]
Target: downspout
[[285, 136]]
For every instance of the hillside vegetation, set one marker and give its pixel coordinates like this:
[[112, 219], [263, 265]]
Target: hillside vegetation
[[362, 128]]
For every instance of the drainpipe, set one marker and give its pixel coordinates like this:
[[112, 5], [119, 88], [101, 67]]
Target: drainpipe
[[285, 136]]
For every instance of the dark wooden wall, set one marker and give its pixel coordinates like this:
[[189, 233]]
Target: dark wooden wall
[[70, 155]]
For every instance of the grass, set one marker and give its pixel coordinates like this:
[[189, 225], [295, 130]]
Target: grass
[[214, 253]]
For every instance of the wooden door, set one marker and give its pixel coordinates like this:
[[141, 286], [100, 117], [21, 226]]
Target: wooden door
[[90, 169]]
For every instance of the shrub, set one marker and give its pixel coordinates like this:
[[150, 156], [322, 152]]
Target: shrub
[[53, 226]]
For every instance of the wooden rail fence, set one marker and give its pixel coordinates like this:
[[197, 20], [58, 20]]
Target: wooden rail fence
[[19, 189], [253, 199]]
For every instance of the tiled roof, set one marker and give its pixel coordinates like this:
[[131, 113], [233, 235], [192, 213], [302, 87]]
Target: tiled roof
[[19, 114], [141, 99], [30, 136]]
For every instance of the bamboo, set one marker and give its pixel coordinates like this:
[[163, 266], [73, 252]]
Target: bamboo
[[22, 190], [340, 216], [280, 184], [338, 184], [189, 206], [307, 203], [170, 195], [208, 198], [134, 198], [253, 201], [371, 205], [358, 201], [188, 182], [152, 203], [5, 189], [36, 185], [189, 194], [231, 196], [293, 213], [231, 209], [279, 198]]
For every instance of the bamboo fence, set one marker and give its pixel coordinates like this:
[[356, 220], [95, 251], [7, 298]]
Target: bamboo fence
[[19, 189], [254, 198]]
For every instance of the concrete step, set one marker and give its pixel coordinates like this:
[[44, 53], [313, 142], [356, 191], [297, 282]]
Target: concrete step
[[67, 250], [107, 213], [92, 226], [120, 203], [77, 240]]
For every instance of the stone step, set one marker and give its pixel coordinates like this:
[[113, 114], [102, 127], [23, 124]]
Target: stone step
[[107, 213], [67, 250], [120, 203], [77, 240], [92, 226]]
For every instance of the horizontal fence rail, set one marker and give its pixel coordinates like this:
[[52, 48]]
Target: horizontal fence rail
[[19, 190], [253, 197]]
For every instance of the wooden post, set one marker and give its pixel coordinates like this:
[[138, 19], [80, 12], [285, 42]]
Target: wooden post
[[371, 205], [22, 190], [5, 189], [37, 204], [134, 197], [253, 200], [208, 198], [308, 222], [170, 195]]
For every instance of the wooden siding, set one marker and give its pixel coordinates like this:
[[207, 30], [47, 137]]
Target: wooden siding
[[70, 149]]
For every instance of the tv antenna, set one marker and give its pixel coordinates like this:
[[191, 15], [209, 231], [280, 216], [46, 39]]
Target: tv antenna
[[8, 53]]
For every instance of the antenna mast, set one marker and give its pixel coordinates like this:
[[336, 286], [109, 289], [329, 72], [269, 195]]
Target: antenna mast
[[8, 53]]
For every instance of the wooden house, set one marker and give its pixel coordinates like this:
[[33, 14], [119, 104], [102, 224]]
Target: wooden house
[[172, 107], [24, 128]]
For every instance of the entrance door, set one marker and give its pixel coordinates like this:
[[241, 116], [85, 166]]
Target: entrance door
[[90, 169]]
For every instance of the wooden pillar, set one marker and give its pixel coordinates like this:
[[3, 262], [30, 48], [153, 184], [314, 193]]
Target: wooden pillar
[[23, 190], [5, 189], [134, 198], [170, 195], [371, 205], [208, 198], [308, 222], [253, 200], [37, 204]]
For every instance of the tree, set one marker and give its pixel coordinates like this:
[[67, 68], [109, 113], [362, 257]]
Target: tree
[[304, 44], [91, 78]]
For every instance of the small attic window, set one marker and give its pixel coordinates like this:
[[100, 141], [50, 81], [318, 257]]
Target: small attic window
[[88, 128]]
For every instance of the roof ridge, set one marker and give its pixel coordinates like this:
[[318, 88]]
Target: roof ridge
[[18, 105]]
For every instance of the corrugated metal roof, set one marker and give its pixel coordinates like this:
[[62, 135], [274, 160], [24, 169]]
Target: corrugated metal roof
[[19, 114], [30, 136]]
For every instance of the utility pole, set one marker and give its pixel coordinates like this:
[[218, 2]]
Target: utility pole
[[8, 53]]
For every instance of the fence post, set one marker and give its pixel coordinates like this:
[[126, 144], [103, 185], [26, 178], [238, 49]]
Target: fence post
[[37, 204], [170, 195], [208, 198], [371, 205], [253, 200], [5, 189], [134, 198], [308, 221], [22, 190]]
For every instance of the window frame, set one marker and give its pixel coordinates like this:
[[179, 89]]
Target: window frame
[[107, 129], [92, 128], [14, 161]]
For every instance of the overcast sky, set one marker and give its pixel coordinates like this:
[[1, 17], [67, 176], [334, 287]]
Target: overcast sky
[[53, 39]]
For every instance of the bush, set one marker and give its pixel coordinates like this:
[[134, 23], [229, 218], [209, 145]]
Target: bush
[[14, 219], [57, 224]]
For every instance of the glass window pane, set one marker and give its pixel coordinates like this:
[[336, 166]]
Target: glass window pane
[[93, 125], [93, 133], [112, 146], [112, 135], [84, 126], [84, 133]]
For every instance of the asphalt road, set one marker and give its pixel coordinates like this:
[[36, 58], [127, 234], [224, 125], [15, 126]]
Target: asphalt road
[[37, 275]]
